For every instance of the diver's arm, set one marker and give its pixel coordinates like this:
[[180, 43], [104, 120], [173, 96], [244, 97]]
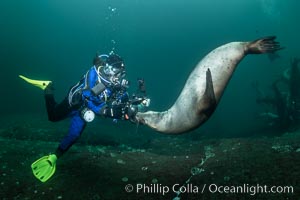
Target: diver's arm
[[116, 112], [97, 109], [119, 108]]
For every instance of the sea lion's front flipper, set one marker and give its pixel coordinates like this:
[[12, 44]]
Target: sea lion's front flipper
[[208, 102]]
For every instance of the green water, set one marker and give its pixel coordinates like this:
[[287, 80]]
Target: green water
[[160, 41]]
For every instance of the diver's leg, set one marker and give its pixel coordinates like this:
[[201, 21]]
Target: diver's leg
[[76, 128], [56, 112]]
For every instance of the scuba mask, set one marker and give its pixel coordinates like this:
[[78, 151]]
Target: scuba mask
[[111, 75], [110, 70], [113, 69]]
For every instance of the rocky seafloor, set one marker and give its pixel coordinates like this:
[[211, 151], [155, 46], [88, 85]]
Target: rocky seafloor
[[112, 165]]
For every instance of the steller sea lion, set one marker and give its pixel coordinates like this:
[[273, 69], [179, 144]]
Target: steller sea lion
[[204, 87]]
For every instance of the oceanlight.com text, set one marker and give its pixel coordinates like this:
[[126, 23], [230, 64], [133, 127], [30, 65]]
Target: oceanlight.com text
[[211, 188]]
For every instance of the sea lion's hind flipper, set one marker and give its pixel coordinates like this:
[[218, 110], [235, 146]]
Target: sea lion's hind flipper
[[263, 45], [208, 102]]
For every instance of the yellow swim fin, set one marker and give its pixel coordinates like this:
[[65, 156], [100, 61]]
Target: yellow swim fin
[[44, 167], [38, 83]]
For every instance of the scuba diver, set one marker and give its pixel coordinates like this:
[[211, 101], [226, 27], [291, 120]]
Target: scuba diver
[[101, 91]]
